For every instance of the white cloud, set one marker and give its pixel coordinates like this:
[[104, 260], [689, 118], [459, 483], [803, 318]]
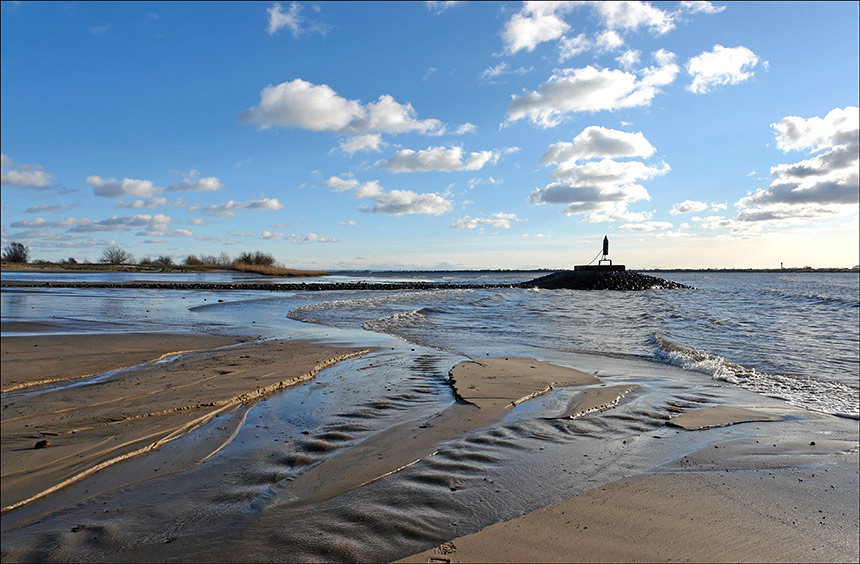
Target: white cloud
[[590, 89], [270, 235], [645, 226], [310, 238], [589, 198], [141, 204], [490, 74], [303, 105], [825, 184], [50, 208], [536, 23], [293, 20], [348, 223], [688, 206], [633, 16], [23, 176], [601, 188], [699, 6], [712, 222], [122, 188], [230, 208], [208, 184], [478, 181], [838, 127], [440, 159], [629, 60], [569, 47], [397, 202], [594, 142], [608, 40], [723, 65], [152, 224], [439, 6], [719, 207], [369, 142], [608, 171], [341, 184], [499, 220]]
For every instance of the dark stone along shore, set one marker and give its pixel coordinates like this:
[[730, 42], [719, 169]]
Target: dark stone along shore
[[625, 281], [602, 280]]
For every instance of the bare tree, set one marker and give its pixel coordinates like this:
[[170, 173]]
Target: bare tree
[[115, 255], [16, 252]]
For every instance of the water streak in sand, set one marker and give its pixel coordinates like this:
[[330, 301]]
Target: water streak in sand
[[174, 422]]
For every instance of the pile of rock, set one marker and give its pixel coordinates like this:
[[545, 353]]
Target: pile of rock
[[602, 280]]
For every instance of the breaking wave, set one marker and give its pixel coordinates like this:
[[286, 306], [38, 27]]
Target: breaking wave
[[809, 393]]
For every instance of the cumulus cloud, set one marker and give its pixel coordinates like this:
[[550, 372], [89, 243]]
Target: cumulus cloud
[[293, 20], [645, 226], [499, 220], [600, 187], [446, 159], [439, 6], [126, 187], [699, 6], [230, 208], [536, 23], [310, 238], [688, 206], [341, 184], [824, 184], [569, 47], [713, 222], [193, 184], [50, 208], [590, 89], [23, 176], [393, 202], [141, 204], [540, 22], [151, 224], [317, 107], [369, 142], [608, 40], [595, 141], [633, 16], [838, 127], [721, 66]]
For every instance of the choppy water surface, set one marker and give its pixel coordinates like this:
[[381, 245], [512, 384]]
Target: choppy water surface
[[792, 335], [738, 338]]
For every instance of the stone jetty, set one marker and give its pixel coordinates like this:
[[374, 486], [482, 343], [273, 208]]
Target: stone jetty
[[571, 280]]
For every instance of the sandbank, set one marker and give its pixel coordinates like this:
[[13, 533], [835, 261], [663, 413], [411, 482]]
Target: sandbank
[[34, 361], [719, 416], [737, 501], [93, 425]]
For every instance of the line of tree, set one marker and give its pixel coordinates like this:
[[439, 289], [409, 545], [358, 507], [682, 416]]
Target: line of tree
[[18, 253], [15, 252]]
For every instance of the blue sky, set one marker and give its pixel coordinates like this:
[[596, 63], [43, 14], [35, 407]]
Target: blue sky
[[434, 134]]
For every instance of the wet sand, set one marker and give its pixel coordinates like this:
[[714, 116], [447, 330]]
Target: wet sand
[[58, 434], [755, 512], [386, 468]]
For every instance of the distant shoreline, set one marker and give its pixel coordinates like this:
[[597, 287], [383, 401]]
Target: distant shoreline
[[60, 269]]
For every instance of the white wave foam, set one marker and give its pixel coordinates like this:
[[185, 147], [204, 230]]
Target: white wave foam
[[390, 323], [816, 395]]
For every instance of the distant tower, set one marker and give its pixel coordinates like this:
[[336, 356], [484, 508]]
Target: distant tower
[[600, 266], [605, 252]]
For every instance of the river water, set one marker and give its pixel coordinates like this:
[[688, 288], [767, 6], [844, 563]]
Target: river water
[[787, 343]]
